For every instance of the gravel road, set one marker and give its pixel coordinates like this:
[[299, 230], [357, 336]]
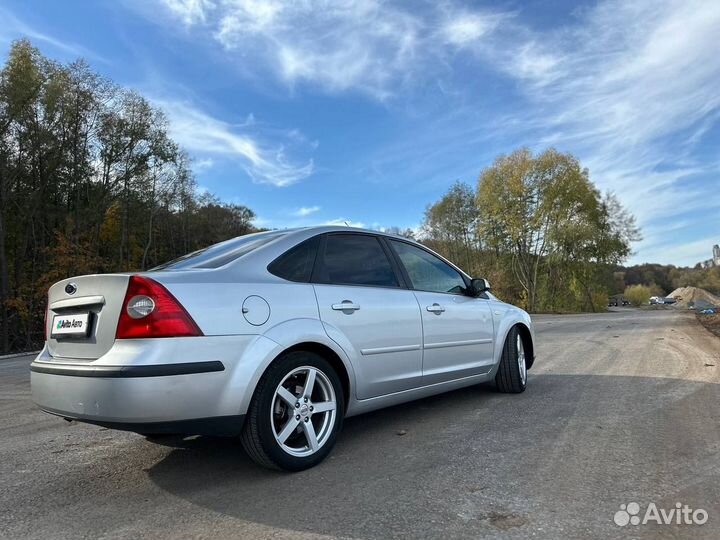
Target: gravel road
[[621, 407]]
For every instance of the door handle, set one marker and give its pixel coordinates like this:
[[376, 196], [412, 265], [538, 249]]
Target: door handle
[[346, 305], [435, 308]]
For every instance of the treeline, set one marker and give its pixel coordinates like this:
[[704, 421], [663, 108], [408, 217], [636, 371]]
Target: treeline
[[90, 181], [663, 279], [538, 229]]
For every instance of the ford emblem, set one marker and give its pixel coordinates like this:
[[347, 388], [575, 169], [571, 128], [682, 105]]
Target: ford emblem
[[71, 288]]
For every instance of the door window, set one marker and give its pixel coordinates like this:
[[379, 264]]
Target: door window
[[427, 272], [355, 259]]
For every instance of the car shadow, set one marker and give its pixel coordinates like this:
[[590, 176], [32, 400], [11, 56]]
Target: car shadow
[[462, 464]]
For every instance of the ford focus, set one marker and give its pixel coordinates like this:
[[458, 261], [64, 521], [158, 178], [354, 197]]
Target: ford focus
[[275, 337]]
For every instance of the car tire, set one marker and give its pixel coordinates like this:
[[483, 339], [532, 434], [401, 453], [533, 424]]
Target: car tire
[[511, 376], [284, 418]]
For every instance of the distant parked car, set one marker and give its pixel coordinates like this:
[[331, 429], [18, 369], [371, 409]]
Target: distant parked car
[[625, 302], [613, 303], [709, 311]]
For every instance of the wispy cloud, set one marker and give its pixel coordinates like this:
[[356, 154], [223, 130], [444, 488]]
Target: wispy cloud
[[202, 164], [461, 28], [190, 11], [372, 46], [265, 162], [305, 211], [13, 28]]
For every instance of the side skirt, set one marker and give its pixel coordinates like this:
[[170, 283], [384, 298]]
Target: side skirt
[[388, 400]]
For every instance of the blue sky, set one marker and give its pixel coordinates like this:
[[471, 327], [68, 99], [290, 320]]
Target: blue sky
[[366, 112]]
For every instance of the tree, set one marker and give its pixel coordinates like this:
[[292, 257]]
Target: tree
[[452, 223], [550, 241], [90, 181], [638, 294], [542, 210]]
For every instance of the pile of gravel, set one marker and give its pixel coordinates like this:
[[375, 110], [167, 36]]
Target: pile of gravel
[[687, 297]]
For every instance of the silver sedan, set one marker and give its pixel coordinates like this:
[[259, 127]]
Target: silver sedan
[[275, 337]]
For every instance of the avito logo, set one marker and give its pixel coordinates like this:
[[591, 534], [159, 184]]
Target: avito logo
[[680, 515]]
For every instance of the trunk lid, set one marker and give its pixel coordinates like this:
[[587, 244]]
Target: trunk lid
[[99, 296]]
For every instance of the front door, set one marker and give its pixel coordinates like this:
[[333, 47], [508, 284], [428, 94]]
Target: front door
[[457, 329], [458, 336]]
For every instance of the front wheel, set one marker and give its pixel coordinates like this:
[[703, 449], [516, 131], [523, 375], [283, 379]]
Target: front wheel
[[295, 414], [511, 376]]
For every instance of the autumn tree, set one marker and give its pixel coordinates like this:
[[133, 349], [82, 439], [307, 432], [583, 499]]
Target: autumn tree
[[538, 229], [451, 225], [638, 294], [90, 181]]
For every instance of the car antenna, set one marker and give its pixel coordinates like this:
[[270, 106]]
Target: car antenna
[[346, 223]]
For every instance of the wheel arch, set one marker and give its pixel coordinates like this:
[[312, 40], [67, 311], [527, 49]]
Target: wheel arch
[[297, 334], [526, 336], [506, 325]]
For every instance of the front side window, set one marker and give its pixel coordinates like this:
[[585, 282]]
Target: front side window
[[426, 271], [296, 264], [354, 259]]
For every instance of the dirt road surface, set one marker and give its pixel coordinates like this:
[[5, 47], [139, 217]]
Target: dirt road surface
[[621, 407]]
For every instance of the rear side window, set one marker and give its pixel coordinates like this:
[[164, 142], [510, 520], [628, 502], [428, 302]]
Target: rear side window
[[296, 264], [354, 259], [221, 254]]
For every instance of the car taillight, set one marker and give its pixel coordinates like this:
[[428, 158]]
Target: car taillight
[[150, 311]]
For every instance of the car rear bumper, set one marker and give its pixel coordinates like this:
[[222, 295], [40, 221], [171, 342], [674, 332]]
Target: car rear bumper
[[221, 426], [146, 386]]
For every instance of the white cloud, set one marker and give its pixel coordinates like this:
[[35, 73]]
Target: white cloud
[[463, 28], [190, 11], [305, 211], [340, 45], [688, 253], [202, 164], [372, 46], [203, 134], [13, 28]]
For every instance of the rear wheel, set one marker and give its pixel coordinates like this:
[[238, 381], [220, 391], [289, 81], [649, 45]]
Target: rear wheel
[[295, 413], [511, 376]]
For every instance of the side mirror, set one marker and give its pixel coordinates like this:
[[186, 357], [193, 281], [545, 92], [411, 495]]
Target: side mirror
[[479, 286]]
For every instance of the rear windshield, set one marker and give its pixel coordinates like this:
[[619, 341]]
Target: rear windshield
[[221, 254]]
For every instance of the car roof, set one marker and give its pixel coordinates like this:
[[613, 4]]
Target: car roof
[[320, 229]]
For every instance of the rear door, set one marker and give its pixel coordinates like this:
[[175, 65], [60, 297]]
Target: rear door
[[366, 309], [457, 329]]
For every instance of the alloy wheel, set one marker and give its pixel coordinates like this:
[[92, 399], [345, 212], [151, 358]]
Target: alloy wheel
[[303, 411], [522, 366]]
